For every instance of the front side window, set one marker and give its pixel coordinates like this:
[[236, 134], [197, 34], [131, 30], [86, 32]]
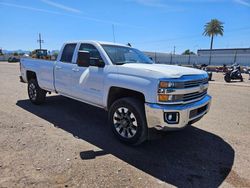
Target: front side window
[[122, 55], [93, 52], [68, 53]]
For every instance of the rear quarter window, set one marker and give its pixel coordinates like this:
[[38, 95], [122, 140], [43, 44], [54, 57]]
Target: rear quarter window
[[68, 53]]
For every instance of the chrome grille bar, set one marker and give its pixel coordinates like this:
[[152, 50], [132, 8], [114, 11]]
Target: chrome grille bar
[[195, 83], [194, 96]]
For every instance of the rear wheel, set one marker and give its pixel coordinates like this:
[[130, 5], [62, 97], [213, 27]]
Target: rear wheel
[[241, 78], [128, 121], [36, 94]]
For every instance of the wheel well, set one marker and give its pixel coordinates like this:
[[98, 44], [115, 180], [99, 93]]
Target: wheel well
[[117, 93], [31, 75]]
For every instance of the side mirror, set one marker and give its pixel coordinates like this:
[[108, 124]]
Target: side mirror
[[97, 62], [83, 59]]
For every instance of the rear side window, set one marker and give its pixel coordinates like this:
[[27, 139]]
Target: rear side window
[[68, 53]]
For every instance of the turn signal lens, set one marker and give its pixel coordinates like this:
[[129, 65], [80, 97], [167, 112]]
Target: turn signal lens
[[163, 97]]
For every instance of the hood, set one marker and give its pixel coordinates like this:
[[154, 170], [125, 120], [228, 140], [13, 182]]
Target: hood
[[163, 70]]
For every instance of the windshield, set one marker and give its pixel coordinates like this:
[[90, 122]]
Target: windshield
[[122, 55]]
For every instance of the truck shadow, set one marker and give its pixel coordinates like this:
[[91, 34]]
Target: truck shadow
[[191, 157]]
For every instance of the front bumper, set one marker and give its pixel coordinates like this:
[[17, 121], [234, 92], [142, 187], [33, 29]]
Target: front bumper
[[188, 113]]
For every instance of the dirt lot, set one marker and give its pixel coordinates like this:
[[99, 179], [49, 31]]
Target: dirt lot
[[65, 143]]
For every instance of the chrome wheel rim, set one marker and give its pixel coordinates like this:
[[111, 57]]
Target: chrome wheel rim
[[32, 91], [125, 122]]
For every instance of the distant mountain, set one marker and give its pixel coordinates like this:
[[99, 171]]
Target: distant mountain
[[13, 51], [25, 51], [54, 52]]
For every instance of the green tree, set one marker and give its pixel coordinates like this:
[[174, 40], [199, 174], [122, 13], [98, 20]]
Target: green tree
[[188, 52], [213, 28]]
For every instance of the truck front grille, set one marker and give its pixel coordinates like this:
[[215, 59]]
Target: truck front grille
[[195, 83], [193, 96], [186, 90]]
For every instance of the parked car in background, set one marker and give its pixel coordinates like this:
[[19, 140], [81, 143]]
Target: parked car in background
[[13, 59]]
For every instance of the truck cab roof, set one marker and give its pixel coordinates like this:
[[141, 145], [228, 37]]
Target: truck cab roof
[[97, 42]]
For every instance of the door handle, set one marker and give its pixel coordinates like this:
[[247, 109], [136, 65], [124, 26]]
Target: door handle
[[75, 69], [58, 67]]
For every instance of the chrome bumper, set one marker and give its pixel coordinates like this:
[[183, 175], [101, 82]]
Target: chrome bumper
[[155, 114]]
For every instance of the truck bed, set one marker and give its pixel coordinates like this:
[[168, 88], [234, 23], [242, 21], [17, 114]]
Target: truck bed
[[45, 68]]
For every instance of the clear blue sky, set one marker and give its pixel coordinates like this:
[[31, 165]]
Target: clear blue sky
[[151, 25]]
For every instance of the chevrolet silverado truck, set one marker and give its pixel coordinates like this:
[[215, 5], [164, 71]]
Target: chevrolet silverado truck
[[137, 93]]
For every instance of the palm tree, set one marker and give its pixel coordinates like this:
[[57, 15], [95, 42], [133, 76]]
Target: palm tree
[[213, 28]]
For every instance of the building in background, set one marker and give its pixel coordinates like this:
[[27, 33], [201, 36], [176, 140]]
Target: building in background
[[217, 57], [226, 51]]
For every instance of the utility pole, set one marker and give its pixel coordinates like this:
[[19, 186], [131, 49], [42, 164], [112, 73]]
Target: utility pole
[[40, 41], [174, 50]]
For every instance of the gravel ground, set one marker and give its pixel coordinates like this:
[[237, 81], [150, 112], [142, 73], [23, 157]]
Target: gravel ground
[[65, 143]]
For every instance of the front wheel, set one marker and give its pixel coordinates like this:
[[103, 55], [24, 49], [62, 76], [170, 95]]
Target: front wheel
[[227, 77], [36, 94], [128, 121]]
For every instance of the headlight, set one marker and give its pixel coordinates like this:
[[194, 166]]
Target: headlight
[[164, 84], [163, 91]]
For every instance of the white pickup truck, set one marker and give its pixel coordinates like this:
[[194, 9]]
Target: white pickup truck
[[137, 93]]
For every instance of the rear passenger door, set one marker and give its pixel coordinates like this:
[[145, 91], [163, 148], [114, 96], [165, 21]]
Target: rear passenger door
[[63, 70]]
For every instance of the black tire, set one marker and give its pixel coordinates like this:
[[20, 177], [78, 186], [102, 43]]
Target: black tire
[[36, 94], [210, 76], [135, 120], [241, 79], [227, 78]]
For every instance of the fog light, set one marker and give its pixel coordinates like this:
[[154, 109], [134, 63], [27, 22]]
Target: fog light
[[171, 117]]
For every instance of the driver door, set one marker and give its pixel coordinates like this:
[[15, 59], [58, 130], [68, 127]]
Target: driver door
[[87, 82]]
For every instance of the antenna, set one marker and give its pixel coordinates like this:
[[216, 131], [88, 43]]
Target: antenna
[[113, 29], [40, 41]]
